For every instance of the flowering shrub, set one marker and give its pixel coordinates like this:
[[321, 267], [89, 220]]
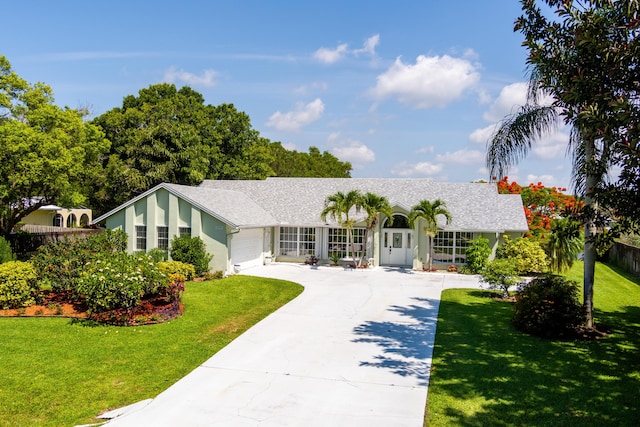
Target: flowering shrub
[[178, 267], [18, 284], [120, 281], [60, 263]]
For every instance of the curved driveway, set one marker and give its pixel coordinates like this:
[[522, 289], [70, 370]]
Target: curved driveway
[[354, 349]]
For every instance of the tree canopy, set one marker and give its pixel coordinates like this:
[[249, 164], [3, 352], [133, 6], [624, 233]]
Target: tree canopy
[[48, 154], [291, 163]]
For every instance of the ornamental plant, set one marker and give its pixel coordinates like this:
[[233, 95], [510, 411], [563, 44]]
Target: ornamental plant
[[191, 250], [18, 284], [549, 307], [177, 267], [5, 251], [500, 274], [59, 263], [120, 280], [477, 255], [526, 255]]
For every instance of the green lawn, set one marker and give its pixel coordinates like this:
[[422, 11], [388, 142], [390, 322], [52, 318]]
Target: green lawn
[[485, 373], [60, 372]]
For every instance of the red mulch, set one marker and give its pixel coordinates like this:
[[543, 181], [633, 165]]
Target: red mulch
[[150, 310]]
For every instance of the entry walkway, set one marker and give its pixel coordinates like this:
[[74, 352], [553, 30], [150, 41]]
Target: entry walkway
[[354, 349]]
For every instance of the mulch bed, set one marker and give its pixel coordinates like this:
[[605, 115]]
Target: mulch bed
[[61, 304]]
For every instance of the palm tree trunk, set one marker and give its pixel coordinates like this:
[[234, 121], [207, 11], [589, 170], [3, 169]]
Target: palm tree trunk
[[430, 253], [590, 231]]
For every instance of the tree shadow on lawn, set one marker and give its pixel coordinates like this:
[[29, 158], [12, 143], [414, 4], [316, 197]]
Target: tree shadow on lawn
[[405, 345], [509, 378]]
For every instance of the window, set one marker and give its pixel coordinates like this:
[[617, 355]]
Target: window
[[141, 237], [184, 230], [58, 220], [339, 245], [163, 237], [450, 246], [71, 221], [297, 241]]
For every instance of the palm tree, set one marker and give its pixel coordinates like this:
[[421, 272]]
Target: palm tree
[[374, 205], [337, 206], [429, 212], [564, 244]]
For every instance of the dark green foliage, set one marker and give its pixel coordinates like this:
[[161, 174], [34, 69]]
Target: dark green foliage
[[314, 164], [59, 263], [120, 280], [548, 307], [191, 250], [157, 254], [5, 251], [477, 255], [18, 284]]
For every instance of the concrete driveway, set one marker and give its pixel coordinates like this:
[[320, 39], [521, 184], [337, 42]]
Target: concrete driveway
[[354, 349]]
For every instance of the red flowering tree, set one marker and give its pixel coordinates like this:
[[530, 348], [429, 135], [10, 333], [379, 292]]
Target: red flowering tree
[[542, 205]]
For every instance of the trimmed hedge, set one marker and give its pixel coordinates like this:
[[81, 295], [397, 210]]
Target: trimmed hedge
[[18, 284]]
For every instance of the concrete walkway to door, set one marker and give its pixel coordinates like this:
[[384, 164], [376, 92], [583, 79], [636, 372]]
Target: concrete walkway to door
[[354, 349]]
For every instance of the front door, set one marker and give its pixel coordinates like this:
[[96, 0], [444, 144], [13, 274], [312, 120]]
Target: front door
[[396, 247]]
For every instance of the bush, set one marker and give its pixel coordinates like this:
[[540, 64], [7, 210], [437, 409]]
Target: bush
[[191, 250], [5, 251], [500, 274], [526, 255], [120, 280], [549, 307], [18, 284], [177, 267], [157, 254], [59, 263], [477, 255]]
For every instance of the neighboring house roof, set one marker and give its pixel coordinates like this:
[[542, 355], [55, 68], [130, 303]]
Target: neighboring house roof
[[299, 201], [233, 208]]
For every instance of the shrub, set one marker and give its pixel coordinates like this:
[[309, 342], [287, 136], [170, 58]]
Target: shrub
[[526, 255], [157, 254], [177, 267], [477, 255], [5, 251], [120, 280], [59, 263], [191, 250], [549, 307], [500, 274], [18, 284]]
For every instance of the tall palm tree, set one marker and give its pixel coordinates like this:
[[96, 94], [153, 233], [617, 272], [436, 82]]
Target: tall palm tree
[[564, 244], [374, 205], [338, 206], [429, 212]]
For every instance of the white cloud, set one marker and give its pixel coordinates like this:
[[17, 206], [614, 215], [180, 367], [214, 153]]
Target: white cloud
[[481, 136], [312, 87], [431, 82], [416, 169], [207, 79], [289, 146], [546, 180], [354, 152], [462, 157], [301, 116], [510, 99], [425, 150], [369, 46], [329, 56], [551, 147]]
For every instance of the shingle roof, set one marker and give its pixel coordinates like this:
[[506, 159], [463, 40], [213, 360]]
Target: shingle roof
[[299, 201]]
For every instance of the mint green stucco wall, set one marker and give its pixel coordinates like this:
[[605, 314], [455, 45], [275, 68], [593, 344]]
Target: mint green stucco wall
[[162, 208]]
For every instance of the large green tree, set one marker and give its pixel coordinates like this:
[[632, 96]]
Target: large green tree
[[428, 212], [585, 56], [167, 134], [292, 163], [48, 154]]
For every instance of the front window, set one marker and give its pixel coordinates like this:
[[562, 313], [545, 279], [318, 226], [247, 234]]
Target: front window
[[141, 237], [449, 247], [163, 237], [297, 241], [340, 246], [184, 231]]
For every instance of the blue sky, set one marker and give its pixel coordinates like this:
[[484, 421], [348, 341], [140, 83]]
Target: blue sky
[[399, 89]]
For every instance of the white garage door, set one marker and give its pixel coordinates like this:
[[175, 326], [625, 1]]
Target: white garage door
[[246, 248]]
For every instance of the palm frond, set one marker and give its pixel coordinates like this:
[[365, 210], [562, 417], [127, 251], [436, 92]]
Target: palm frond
[[516, 134]]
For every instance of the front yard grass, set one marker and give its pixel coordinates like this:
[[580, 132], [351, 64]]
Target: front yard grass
[[64, 372], [485, 372]]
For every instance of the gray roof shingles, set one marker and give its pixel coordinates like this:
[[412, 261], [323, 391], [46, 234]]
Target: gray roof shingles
[[299, 201]]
